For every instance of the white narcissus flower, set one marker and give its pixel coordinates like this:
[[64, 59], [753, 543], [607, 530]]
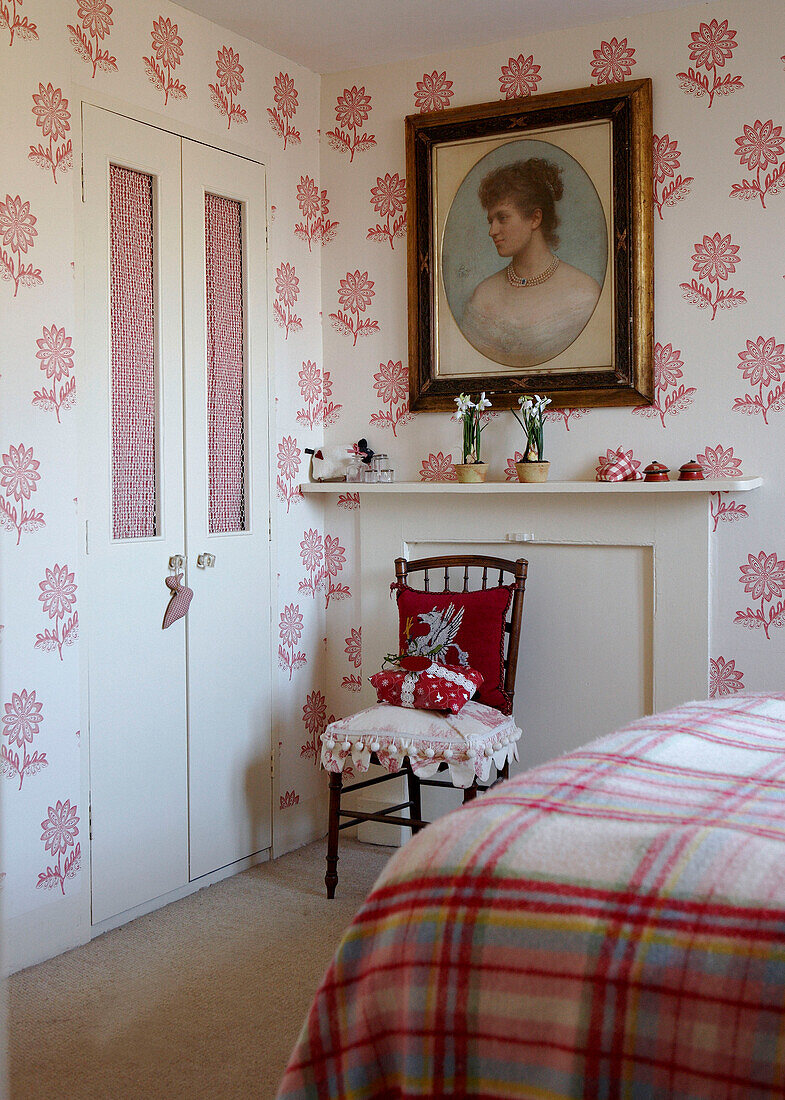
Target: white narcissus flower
[[483, 403]]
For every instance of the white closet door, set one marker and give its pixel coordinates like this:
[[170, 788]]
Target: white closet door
[[133, 480], [227, 494]]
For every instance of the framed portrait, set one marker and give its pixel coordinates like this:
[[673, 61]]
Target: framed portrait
[[530, 258]]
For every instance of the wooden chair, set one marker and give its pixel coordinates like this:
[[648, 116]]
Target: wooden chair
[[434, 571]]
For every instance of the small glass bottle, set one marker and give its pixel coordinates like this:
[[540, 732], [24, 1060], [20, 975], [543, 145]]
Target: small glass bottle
[[354, 470]]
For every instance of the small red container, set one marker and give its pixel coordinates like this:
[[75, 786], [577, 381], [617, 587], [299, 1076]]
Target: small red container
[[655, 471], [691, 471]]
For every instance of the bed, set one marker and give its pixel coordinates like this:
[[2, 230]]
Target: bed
[[610, 925]]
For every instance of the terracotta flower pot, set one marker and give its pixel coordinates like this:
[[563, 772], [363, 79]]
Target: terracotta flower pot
[[532, 472], [471, 473]]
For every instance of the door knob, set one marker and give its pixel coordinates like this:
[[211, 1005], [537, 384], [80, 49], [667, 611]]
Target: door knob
[[177, 561], [206, 561]]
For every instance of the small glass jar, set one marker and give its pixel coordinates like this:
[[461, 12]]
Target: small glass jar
[[379, 463], [387, 477], [354, 470], [367, 476]]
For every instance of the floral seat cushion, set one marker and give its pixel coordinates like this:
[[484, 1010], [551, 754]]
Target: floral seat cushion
[[468, 742]]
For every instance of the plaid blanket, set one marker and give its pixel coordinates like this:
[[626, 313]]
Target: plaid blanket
[[610, 925]]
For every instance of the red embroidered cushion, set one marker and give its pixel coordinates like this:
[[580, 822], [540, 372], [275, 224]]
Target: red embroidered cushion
[[469, 627], [426, 685]]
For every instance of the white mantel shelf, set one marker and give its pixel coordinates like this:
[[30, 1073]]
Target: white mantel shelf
[[608, 488]]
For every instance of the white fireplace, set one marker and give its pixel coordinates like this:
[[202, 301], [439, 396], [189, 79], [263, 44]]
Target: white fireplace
[[617, 613]]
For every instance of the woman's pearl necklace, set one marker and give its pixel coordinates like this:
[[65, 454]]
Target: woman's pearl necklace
[[515, 280]]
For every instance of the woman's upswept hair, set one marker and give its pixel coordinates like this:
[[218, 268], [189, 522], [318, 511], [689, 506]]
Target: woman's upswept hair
[[533, 184]]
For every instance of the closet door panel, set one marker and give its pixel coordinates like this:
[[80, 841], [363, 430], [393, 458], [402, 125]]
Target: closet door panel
[[227, 507], [132, 489]]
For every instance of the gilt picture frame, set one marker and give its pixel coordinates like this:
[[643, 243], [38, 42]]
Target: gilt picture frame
[[583, 337]]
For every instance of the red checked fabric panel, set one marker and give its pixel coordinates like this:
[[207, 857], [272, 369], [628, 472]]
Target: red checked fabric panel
[[225, 361], [467, 628], [132, 310]]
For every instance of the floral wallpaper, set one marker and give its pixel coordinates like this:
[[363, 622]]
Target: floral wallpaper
[[718, 73], [338, 343]]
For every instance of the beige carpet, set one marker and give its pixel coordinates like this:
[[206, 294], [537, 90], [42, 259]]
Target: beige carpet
[[204, 998]]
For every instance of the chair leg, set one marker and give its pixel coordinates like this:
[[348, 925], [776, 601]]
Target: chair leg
[[470, 793], [333, 821], [415, 795], [504, 771]]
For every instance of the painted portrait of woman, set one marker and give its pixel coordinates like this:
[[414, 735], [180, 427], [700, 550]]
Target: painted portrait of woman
[[539, 296]]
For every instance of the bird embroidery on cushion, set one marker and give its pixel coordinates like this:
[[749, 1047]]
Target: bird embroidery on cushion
[[435, 632]]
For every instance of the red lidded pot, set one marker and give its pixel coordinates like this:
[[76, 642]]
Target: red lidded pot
[[655, 471]]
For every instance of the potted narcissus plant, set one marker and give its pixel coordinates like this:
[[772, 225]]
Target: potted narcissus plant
[[534, 467], [471, 415]]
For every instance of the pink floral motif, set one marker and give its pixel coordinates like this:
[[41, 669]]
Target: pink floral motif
[[58, 596], [60, 830], [18, 25], [19, 477], [289, 456], [315, 208], [667, 372], [433, 92], [711, 46], [566, 415], [355, 294], [287, 290], [391, 383], [354, 647], [289, 799], [613, 62], [19, 473], [290, 631], [438, 467], [349, 501], [21, 720], [714, 259], [96, 19], [17, 230], [316, 389], [388, 198], [763, 578], [760, 145], [510, 473], [352, 682], [312, 555], [57, 359], [315, 721], [762, 363], [52, 115], [724, 677], [334, 561], [666, 161], [351, 112], [719, 462], [168, 50], [520, 77], [230, 79], [285, 96]]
